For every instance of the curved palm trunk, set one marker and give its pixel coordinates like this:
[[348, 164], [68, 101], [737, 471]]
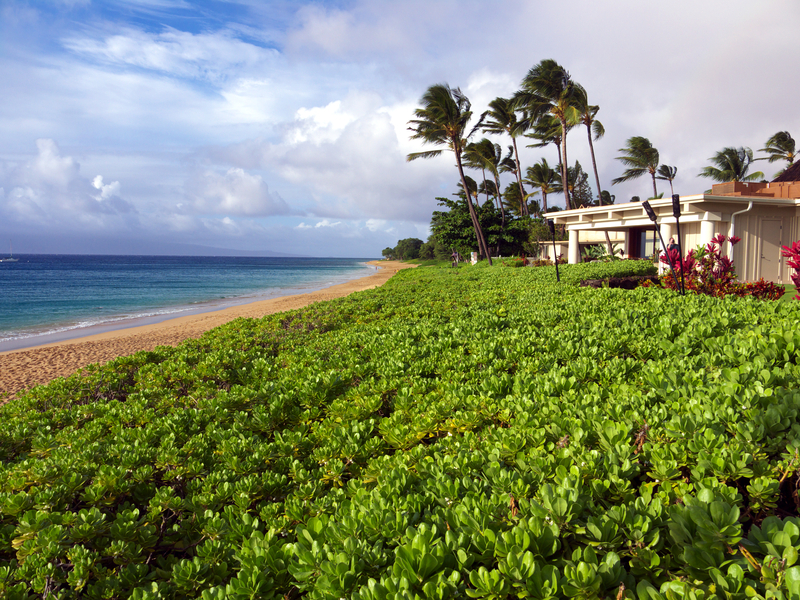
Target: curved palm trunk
[[655, 191], [499, 199], [519, 180], [482, 247], [594, 166], [544, 199], [564, 162], [597, 180]]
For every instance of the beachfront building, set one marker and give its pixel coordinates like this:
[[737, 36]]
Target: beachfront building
[[764, 215]]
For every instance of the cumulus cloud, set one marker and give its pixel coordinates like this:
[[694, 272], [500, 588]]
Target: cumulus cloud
[[49, 190], [351, 154], [106, 191], [235, 192]]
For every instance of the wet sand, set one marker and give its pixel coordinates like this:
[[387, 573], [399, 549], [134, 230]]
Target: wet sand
[[22, 369]]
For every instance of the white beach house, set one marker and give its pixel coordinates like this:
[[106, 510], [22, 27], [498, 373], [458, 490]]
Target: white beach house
[[764, 215]]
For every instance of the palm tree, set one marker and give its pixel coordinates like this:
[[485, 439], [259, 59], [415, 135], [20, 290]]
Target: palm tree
[[442, 121], [543, 177], [490, 156], [473, 160], [547, 130], [548, 89], [781, 146], [732, 164], [489, 188], [640, 157], [509, 165], [667, 173], [515, 204], [502, 118], [594, 128]]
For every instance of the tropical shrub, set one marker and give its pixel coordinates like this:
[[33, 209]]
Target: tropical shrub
[[793, 254], [599, 252], [705, 270], [456, 433]]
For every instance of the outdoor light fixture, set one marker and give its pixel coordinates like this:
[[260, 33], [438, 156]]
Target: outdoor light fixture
[[652, 216], [552, 227], [676, 212]]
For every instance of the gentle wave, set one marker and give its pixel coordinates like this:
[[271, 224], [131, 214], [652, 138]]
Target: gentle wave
[[57, 299], [23, 334]]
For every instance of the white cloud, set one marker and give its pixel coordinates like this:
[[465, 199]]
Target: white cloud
[[205, 56], [319, 124], [234, 192], [327, 223], [49, 167], [375, 224], [106, 190], [49, 191]]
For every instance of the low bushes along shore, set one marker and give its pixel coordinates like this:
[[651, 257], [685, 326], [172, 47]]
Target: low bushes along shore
[[470, 432]]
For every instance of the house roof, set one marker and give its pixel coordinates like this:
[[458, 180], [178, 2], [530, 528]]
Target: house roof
[[701, 207], [792, 173]]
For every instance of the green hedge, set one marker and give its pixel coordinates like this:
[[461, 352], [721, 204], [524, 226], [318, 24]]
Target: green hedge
[[479, 433]]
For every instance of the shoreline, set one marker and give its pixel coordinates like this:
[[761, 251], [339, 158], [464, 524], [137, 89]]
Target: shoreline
[[85, 323], [25, 368]]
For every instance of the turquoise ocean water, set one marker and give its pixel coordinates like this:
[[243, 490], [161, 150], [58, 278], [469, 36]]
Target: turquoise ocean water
[[46, 298]]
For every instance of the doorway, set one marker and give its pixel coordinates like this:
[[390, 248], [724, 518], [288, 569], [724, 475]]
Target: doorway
[[771, 249], [642, 242]]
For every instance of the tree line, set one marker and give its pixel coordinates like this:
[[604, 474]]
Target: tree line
[[547, 106]]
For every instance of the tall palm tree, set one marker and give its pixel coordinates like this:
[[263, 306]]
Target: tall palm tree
[[515, 204], [731, 164], [548, 89], [594, 128], [473, 160], [640, 157], [667, 173], [543, 177], [502, 118], [509, 165], [490, 156], [489, 188], [547, 130], [442, 121], [781, 146]]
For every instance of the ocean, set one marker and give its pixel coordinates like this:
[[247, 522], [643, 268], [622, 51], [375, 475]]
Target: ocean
[[48, 298]]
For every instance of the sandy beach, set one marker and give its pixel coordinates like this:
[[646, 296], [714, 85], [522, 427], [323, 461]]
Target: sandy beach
[[22, 369]]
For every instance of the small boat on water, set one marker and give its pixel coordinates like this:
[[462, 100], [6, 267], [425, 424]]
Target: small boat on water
[[10, 256]]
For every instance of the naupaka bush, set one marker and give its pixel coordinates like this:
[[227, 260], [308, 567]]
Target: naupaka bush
[[458, 432]]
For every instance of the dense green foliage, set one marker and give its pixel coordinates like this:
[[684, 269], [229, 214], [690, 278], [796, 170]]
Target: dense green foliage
[[407, 249], [453, 228], [471, 432]]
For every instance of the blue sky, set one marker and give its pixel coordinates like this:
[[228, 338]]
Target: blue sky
[[143, 126]]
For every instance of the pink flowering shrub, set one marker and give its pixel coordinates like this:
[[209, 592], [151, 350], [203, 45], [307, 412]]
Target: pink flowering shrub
[[793, 254], [707, 271]]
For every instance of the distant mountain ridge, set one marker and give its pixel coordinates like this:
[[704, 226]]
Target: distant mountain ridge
[[104, 246]]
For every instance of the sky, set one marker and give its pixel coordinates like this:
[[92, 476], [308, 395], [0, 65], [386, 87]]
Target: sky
[[258, 126]]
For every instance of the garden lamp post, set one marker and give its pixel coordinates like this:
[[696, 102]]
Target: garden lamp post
[[676, 212], [552, 227], [652, 215]]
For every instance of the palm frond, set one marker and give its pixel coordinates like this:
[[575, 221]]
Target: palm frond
[[425, 154]]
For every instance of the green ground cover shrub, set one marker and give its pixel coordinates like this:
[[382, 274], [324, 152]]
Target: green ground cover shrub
[[470, 432]]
